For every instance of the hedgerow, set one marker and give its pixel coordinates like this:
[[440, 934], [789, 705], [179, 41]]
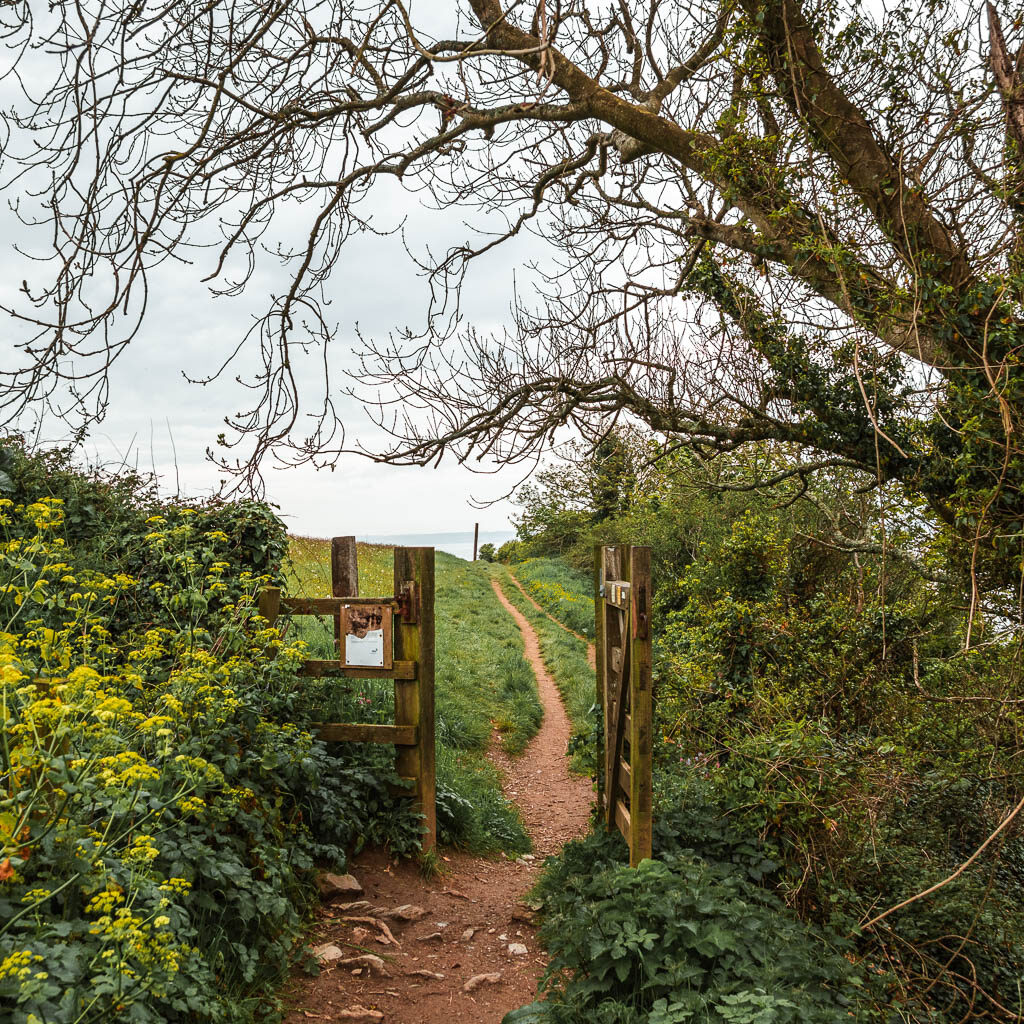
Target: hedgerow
[[162, 805], [824, 690]]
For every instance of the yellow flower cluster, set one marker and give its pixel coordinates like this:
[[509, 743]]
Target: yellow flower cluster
[[18, 965], [125, 770], [143, 850], [176, 885], [192, 805]]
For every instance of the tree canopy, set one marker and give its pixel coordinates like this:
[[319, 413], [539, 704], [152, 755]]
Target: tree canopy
[[793, 221]]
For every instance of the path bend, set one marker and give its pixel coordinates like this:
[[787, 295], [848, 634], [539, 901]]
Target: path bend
[[471, 914]]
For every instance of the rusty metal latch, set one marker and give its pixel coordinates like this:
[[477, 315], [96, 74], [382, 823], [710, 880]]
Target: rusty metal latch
[[407, 602]]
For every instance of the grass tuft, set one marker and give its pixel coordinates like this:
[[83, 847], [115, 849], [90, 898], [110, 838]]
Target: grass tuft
[[561, 590]]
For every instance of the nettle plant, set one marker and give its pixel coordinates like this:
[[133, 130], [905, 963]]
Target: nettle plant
[[680, 939], [155, 848]]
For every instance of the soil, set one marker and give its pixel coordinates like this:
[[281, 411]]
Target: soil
[[471, 893]]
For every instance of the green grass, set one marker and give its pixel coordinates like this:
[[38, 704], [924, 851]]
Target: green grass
[[561, 590], [483, 682], [565, 657], [483, 679]]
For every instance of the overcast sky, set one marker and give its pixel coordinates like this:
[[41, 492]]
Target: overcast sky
[[155, 411], [159, 421]]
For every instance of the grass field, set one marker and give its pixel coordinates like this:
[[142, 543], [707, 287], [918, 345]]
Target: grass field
[[563, 591], [483, 683], [565, 657]]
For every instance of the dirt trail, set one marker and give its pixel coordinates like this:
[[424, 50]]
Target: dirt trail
[[473, 893], [591, 656]]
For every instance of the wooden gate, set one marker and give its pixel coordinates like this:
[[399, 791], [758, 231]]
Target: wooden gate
[[622, 596], [406, 654]]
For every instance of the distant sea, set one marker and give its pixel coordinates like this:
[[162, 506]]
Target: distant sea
[[460, 544]]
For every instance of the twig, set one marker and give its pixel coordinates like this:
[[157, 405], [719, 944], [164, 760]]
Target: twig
[[956, 874]]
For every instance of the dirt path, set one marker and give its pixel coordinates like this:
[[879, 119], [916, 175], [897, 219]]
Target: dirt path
[[473, 918], [591, 657]]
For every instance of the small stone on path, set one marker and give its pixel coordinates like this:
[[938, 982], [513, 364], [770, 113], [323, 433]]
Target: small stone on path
[[517, 949], [406, 912], [358, 905], [481, 979], [368, 960], [331, 885], [328, 952], [359, 1013]]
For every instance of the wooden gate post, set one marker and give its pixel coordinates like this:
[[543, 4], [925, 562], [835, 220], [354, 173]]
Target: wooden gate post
[[414, 698], [641, 708], [344, 567], [616, 566], [622, 605], [600, 625], [344, 575]]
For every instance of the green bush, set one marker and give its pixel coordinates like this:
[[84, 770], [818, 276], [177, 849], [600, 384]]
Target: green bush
[[510, 552], [679, 939], [855, 736], [162, 804]]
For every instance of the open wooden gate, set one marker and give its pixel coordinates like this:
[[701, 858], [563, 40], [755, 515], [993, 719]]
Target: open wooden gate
[[405, 654], [622, 597]]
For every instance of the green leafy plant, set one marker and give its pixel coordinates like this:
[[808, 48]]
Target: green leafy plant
[[680, 939], [162, 803]]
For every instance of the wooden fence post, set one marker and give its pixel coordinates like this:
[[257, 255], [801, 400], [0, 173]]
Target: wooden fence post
[[344, 567], [344, 576], [641, 708], [270, 604], [414, 698]]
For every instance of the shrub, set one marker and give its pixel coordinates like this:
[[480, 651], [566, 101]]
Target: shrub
[[162, 804], [510, 552], [679, 939], [856, 739]]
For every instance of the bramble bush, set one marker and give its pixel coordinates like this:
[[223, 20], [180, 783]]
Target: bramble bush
[[855, 738], [162, 806]]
